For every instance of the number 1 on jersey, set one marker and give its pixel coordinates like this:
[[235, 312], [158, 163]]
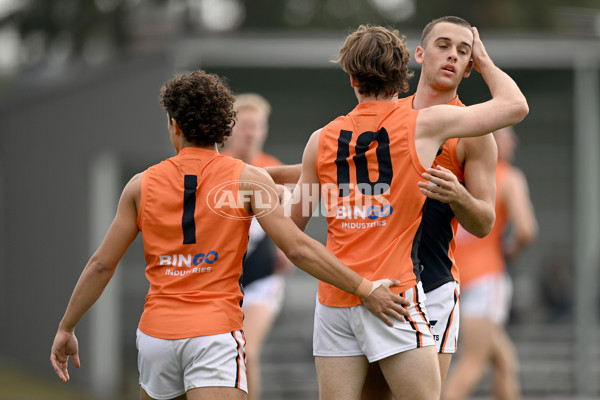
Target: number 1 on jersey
[[188, 223]]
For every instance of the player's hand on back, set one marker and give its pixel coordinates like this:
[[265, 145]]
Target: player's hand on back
[[385, 304]]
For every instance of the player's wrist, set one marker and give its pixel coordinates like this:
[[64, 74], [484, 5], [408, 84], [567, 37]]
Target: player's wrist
[[364, 289]]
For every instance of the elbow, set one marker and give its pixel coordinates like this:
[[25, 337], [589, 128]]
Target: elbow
[[483, 230], [485, 225], [297, 252], [296, 255], [101, 268], [521, 110], [302, 251], [524, 108]]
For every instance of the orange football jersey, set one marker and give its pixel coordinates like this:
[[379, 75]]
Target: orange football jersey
[[368, 170], [195, 236]]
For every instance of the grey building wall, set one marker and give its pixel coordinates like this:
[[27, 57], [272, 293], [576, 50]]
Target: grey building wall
[[50, 130]]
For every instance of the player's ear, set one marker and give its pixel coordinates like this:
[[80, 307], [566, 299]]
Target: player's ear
[[468, 69], [175, 125], [419, 55], [353, 81]]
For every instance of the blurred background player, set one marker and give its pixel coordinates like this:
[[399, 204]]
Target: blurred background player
[[486, 288], [264, 264]]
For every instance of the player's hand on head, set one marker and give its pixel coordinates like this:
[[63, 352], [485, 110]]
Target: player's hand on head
[[65, 345], [385, 304], [479, 53]]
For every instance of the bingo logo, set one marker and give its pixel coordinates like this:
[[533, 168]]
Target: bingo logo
[[371, 212], [189, 260], [229, 199], [186, 264]]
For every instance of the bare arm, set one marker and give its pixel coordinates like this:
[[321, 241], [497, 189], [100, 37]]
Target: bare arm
[[507, 107], [475, 211], [95, 276], [473, 204], [285, 174], [310, 255], [307, 193], [515, 194]]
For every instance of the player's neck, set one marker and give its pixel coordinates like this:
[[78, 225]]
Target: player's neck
[[185, 144], [426, 96], [364, 99]]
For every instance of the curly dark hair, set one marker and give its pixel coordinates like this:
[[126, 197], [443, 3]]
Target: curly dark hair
[[202, 105], [377, 58]]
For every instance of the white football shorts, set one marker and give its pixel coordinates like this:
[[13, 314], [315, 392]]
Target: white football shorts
[[355, 331], [487, 297], [442, 305], [169, 368]]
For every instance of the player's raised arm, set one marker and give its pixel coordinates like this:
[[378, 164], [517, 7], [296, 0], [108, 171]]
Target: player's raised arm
[[507, 107]]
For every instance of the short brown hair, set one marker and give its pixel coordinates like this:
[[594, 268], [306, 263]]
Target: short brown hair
[[377, 58], [202, 105], [449, 19]]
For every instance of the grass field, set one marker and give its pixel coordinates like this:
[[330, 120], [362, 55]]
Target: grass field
[[19, 385]]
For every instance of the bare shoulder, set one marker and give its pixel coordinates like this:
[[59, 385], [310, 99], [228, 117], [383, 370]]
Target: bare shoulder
[[134, 186], [313, 141], [254, 174]]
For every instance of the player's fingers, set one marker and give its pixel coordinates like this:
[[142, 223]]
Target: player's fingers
[[432, 180], [431, 194], [385, 319], [442, 180], [396, 315], [60, 369], [401, 311], [401, 301], [429, 187], [426, 185], [439, 172], [76, 362]]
